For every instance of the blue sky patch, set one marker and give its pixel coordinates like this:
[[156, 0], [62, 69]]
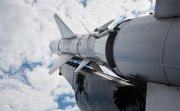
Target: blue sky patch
[[62, 104]]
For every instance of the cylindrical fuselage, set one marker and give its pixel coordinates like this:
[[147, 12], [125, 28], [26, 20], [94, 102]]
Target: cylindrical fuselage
[[84, 46], [149, 49]]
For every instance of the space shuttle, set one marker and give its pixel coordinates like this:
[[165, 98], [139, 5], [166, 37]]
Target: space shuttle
[[132, 66]]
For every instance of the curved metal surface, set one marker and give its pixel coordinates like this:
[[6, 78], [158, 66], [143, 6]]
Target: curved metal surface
[[54, 46], [138, 48], [171, 53], [144, 46], [68, 46], [100, 48], [167, 8], [84, 46]]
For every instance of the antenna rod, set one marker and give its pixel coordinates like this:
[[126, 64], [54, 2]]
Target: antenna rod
[[84, 26]]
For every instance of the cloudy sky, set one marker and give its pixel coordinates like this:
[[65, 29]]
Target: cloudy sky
[[26, 29]]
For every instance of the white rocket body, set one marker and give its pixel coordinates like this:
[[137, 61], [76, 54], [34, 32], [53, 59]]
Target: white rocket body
[[70, 45]]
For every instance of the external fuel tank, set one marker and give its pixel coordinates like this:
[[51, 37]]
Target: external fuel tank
[[149, 49]]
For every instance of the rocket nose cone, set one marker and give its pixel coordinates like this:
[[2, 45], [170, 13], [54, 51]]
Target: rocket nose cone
[[54, 46]]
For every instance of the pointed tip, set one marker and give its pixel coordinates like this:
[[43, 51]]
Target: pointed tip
[[106, 24], [63, 28], [55, 15]]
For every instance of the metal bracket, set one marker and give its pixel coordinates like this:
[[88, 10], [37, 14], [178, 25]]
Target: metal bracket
[[162, 97]]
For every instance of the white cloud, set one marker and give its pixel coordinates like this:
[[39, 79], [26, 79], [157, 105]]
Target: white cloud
[[16, 96], [68, 99], [70, 109], [41, 95], [26, 29], [25, 34], [55, 84]]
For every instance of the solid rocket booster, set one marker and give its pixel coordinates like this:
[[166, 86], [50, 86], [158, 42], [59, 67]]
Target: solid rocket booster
[[144, 48]]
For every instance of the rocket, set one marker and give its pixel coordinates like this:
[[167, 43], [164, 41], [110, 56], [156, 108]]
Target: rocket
[[144, 47], [143, 52], [89, 47]]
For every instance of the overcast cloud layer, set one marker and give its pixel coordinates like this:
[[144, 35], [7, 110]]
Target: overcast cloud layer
[[26, 29]]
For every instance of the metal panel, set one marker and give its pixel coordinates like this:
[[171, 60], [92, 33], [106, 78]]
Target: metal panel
[[171, 55], [172, 45], [167, 8], [162, 98], [68, 72], [173, 75], [85, 46], [69, 45], [101, 92], [100, 47], [138, 48], [54, 46], [63, 28]]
